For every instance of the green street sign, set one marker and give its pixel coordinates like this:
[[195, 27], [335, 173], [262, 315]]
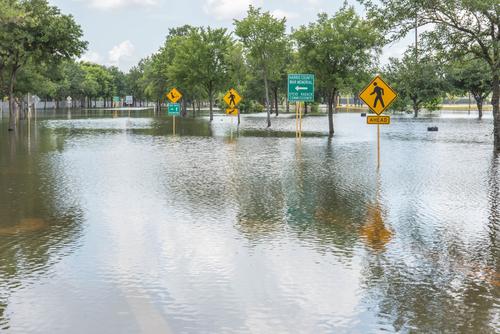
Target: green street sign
[[116, 99], [174, 109], [301, 87]]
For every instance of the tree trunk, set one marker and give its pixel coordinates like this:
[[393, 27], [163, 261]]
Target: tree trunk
[[287, 106], [12, 102], [479, 103], [266, 86], [415, 108], [331, 103], [210, 97], [496, 112], [276, 100], [194, 109], [305, 108]]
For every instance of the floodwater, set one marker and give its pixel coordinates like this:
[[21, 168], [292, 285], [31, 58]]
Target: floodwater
[[110, 224]]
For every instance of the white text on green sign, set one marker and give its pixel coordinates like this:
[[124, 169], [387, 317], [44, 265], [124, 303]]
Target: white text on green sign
[[301, 87], [174, 109]]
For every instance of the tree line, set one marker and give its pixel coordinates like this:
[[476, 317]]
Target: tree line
[[459, 55]]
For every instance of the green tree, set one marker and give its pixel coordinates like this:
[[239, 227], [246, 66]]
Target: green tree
[[201, 62], [472, 76], [421, 85], [460, 26], [335, 49], [264, 38], [35, 31]]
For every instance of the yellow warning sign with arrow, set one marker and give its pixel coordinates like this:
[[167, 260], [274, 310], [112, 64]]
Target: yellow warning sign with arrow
[[174, 95]]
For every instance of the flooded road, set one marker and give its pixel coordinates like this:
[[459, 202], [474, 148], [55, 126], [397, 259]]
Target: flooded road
[[112, 225]]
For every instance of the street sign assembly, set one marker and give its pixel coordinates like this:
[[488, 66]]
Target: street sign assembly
[[174, 109], [301, 87], [174, 95], [232, 112], [378, 95], [232, 98], [382, 120]]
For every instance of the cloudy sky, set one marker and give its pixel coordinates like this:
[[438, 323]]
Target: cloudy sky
[[121, 32]]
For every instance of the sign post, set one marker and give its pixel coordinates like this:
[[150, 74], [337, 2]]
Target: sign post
[[378, 95], [300, 89], [174, 108]]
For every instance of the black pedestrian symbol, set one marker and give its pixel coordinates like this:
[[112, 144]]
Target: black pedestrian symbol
[[231, 99], [172, 95], [380, 92]]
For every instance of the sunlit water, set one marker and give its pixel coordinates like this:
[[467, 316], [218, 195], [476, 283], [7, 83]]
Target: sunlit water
[[113, 225]]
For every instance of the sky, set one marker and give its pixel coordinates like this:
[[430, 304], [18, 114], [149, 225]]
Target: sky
[[121, 32]]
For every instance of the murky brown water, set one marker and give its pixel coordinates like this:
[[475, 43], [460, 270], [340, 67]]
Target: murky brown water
[[112, 225]]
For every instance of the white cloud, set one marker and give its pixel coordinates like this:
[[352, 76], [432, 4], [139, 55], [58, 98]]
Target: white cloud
[[279, 14], [91, 57], [113, 4], [121, 52], [228, 9]]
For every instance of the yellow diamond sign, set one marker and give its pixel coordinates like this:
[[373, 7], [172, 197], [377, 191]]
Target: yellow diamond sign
[[174, 95], [378, 95], [232, 98], [232, 112]]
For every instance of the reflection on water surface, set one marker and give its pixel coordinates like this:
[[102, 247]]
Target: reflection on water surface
[[108, 223]]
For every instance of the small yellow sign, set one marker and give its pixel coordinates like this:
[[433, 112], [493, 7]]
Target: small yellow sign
[[385, 120], [232, 112], [378, 95], [174, 95], [232, 98]]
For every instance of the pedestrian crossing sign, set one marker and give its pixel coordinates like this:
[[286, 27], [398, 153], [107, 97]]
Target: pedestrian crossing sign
[[378, 95], [232, 98]]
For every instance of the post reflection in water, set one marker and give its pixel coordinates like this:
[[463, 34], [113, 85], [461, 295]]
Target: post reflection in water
[[108, 223], [374, 231]]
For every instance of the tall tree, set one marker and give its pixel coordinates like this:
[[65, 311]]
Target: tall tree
[[264, 38], [469, 75], [37, 32], [421, 84], [462, 26], [335, 49], [201, 61]]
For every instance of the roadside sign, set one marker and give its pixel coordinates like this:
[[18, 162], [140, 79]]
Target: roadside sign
[[174, 109], [382, 120], [301, 87], [378, 95], [232, 98], [232, 112], [116, 99], [174, 95], [129, 100], [69, 99]]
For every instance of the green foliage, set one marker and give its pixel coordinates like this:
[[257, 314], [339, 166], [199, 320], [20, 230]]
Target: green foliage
[[337, 49], [267, 46], [469, 75], [419, 84]]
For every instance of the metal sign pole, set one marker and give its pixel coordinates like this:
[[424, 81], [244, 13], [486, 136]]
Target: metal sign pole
[[296, 119], [300, 120], [174, 125], [378, 145]]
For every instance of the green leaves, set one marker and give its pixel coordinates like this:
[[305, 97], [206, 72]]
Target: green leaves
[[338, 48]]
